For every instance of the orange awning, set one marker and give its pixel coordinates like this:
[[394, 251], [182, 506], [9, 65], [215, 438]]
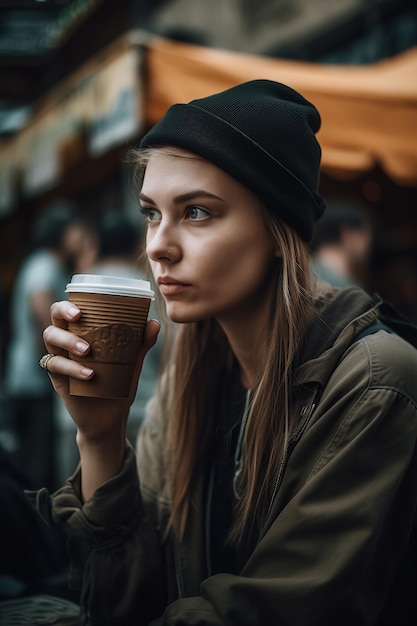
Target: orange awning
[[369, 112]]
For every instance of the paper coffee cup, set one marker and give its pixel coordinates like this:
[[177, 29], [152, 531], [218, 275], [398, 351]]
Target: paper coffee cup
[[114, 312]]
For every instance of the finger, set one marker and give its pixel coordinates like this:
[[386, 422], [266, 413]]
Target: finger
[[151, 334], [60, 341], [63, 312], [60, 365], [62, 344]]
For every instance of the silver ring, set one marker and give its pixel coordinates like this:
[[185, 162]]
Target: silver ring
[[43, 362]]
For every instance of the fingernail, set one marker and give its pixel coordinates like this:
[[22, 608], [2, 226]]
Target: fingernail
[[86, 371], [81, 347], [72, 311]]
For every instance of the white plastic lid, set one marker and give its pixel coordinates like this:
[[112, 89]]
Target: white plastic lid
[[114, 285]]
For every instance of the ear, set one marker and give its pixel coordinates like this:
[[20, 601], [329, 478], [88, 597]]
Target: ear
[[278, 253]]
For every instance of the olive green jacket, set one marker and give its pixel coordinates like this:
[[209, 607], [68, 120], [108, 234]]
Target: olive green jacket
[[339, 544]]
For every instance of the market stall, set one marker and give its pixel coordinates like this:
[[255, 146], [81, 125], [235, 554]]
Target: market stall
[[369, 113]]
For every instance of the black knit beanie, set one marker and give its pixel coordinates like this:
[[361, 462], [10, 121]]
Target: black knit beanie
[[262, 133]]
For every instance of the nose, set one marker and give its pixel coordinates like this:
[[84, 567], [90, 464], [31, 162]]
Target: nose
[[161, 247]]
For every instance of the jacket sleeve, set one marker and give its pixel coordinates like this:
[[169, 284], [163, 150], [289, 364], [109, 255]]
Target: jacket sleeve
[[339, 532], [115, 552]]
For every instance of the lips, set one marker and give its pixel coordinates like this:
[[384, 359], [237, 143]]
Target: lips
[[170, 286], [167, 280]]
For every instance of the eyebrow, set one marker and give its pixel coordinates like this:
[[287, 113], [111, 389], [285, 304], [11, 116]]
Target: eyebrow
[[184, 197]]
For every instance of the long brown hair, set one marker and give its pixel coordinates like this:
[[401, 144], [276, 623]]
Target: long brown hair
[[199, 362]]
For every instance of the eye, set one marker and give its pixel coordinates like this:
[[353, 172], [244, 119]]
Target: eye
[[150, 214], [196, 213]]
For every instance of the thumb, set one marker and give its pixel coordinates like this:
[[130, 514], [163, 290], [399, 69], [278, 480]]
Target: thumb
[[150, 336]]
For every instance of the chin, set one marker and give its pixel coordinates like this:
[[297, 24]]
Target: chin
[[184, 315], [182, 319]]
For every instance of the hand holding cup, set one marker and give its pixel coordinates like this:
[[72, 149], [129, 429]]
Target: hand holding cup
[[114, 311], [85, 380]]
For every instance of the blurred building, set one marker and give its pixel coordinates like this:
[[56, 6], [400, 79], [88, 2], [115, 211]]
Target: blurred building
[[80, 83]]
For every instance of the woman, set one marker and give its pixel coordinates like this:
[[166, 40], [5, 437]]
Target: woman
[[277, 464]]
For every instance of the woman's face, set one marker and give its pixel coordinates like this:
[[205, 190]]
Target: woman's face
[[208, 245]]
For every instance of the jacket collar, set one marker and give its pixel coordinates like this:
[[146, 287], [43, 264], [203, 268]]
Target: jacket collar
[[340, 315]]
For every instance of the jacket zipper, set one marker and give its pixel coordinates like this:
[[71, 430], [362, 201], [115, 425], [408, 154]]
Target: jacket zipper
[[290, 447], [178, 572], [207, 521], [238, 452]]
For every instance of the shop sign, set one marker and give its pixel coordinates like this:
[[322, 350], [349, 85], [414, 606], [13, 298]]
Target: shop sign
[[116, 104], [97, 108], [41, 171]]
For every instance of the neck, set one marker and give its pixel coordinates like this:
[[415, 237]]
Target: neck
[[247, 336]]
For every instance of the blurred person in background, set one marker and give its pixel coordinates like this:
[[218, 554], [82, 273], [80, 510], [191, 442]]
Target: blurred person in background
[[4, 324], [7, 436], [341, 245], [121, 253], [41, 279], [119, 247], [396, 279], [83, 239]]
